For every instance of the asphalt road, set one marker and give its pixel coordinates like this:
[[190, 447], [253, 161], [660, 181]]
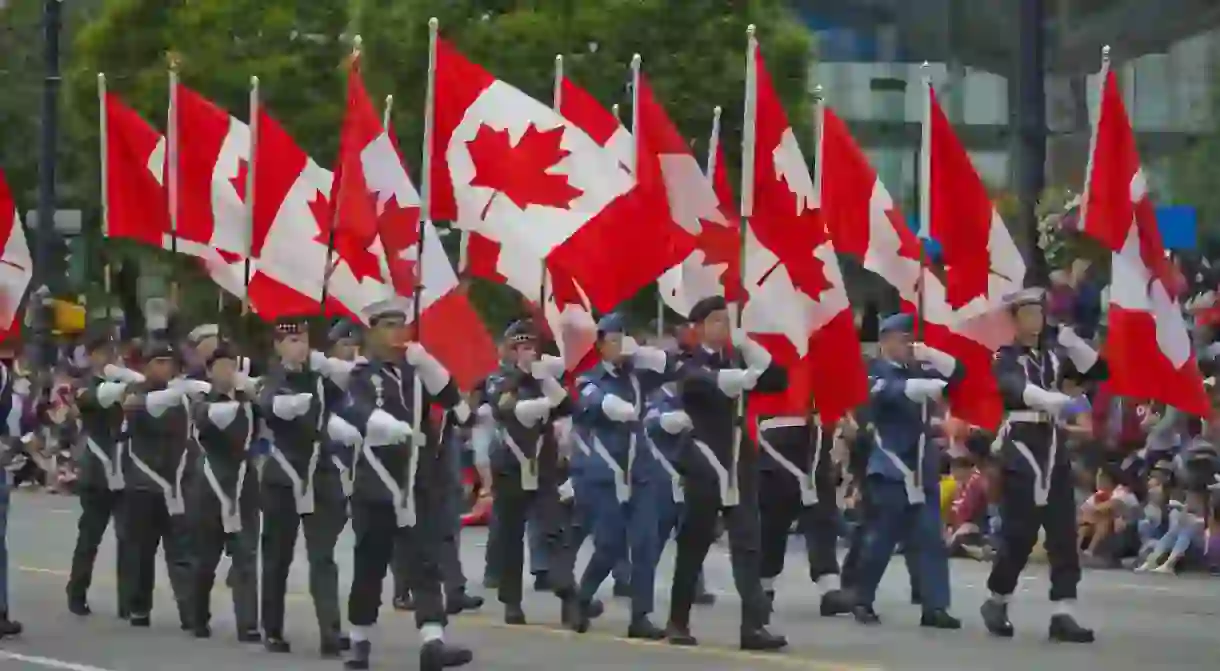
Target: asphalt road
[[1144, 622]]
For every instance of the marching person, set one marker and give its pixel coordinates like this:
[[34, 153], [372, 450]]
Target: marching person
[[902, 477], [299, 488], [1037, 490], [721, 470], [10, 437], [224, 503], [100, 481], [624, 520], [526, 471], [153, 511], [399, 489], [798, 484]]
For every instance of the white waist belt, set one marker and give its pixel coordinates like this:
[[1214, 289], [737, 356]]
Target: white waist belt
[[172, 492], [807, 481], [302, 491], [230, 508], [1042, 477], [729, 494], [112, 468], [912, 480]]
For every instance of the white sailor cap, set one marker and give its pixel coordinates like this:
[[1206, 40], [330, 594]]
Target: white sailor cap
[[203, 331], [1028, 296], [398, 307]]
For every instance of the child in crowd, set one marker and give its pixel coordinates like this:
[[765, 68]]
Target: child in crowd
[[967, 521], [1107, 518], [1185, 537]]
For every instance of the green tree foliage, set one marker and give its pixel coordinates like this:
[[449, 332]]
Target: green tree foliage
[[693, 51]]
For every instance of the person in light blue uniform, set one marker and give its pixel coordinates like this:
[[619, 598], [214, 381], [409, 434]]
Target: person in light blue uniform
[[608, 422], [902, 479]]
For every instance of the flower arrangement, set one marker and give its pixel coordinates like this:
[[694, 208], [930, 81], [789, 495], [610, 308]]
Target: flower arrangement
[[1058, 226]]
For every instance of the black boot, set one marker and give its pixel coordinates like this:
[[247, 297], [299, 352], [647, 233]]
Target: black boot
[[274, 642], [995, 618], [201, 630], [836, 602], [329, 648], [622, 590], [437, 655], [542, 581], [361, 651], [79, 606], [680, 635], [249, 635], [139, 620], [9, 627], [939, 618], [643, 628], [575, 615], [461, 601], [1065, 629], [761, 640], [513, 614], [704, 597], [865, 614]]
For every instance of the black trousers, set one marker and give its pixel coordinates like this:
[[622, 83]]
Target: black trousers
[[281, 526], [375, 525], [696, 534], [146, 523], [98, 505], [779, 502], [448, 526], [211, 542], [512, 507], [1022, 518]]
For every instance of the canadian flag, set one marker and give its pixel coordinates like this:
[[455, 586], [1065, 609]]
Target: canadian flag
[[797, 303], [376, 233], [864, 222], [15, 263], [713, 268], [1148, 346], [133, 171], [517, 172]]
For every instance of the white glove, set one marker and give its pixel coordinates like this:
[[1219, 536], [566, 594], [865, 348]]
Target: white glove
[[193, 387], [318, 361], [547, 367], [939, 361], [733, 381], [115, 373], [1081, 353], [157, 402], [676, 422], [291, 406], [532, 411], [756, 356], [566, 492], [629, 346], [434, 376], [335, 370], [223, 414], [924, 389], [461, 412], [109, 393], [617, 409], [245, 383], [384, 429], [1047, 401], [650, 358], [1069, 338], [553, 391], [485, 413], [340, 431]]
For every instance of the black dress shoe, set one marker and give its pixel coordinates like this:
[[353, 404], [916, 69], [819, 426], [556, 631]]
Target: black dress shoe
[[513, 614], [596, 609], [361, 652], [9, 627], [995, 618], [575, 615], [643, 628], [491, 582], [865, 615], [622, 590], [79, 607], [939, 619], [761, 640], [329, 649], [680, 635], [249, 635], [276, 643], [142, 621], [705, 598], [1065, 629], [404, 602], [461, 601], [835, 602], [438, 655], [186, 625], [542, 581], [201, 631]]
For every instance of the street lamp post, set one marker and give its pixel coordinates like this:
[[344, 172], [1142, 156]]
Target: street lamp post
[[51, 23], [1031, 127]]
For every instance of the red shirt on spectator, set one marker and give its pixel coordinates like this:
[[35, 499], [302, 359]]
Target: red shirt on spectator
[[970, 503]]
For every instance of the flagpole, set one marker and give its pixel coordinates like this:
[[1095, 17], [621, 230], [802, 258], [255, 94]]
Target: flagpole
[[713, 147], [819, 126], [1102, 74], [557, 105], [251, 168], [172, 172], [925, 197], [329, 268], [105, 174]]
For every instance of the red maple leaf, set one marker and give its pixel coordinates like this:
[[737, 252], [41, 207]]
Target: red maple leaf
[[520, 171], [398, 227], [564, 290], [794, 245], [239, 180], [721, 244], [352, 247]]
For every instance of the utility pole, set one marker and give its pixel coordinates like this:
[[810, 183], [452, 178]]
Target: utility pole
[[52, 22], [1031, 127]]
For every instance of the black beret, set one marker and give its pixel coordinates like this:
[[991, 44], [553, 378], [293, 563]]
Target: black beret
[[223, 351], [291, 325], [520, 331], [705, 307], [343, 329], [158, 349]]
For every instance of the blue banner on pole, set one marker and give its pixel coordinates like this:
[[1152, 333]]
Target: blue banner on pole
[[1179, 227], [930, 246]]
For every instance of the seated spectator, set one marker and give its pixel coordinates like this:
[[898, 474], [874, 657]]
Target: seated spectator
[[967, 520], [1107, 520], [1211, 552], [1155, 519], [1185, 537]]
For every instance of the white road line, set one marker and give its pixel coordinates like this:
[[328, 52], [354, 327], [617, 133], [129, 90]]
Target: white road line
[[50, 663]]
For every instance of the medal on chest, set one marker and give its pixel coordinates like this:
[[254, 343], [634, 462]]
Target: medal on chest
[[378, 389]]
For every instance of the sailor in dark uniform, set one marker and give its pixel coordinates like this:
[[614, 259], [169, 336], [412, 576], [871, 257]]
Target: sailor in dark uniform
[[299, 489], [798, 484], [201, 342], [721, 470], [1037, 477], [154, 462], [100, 481], [399, 491], [526, 470], [224, 501]]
